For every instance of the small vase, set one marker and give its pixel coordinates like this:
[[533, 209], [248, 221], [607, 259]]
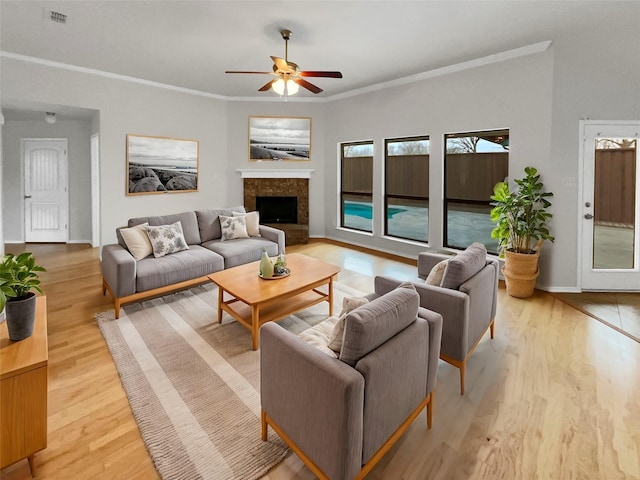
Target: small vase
[[266, 266], [20, 317]]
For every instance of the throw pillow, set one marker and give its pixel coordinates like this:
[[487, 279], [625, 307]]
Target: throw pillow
[[137, 241], [318, 335], [233, 227], [348, 304], [464, 266], [436, 273], [253, 222], [166, 239]]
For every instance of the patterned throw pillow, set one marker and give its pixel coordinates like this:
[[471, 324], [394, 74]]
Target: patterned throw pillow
[[253, 222], [166, 239], [233, 227]]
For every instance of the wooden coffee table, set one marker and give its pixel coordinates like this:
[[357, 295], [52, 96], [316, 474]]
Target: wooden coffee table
[[255, 301]]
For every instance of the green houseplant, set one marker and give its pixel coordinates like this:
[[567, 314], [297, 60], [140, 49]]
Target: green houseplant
[[521, 217], [18, 277]]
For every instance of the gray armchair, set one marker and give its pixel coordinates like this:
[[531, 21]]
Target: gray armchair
[[466, 297], [341, 415]]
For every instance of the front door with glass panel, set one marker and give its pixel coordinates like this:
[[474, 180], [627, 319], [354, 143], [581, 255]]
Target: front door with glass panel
[[609, 211]]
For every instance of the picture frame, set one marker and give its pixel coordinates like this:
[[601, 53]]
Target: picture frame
[[161, 165], [273, 139]]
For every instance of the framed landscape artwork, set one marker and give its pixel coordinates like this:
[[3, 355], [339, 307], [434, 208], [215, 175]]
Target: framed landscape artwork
[[272, 139], [161, 165]]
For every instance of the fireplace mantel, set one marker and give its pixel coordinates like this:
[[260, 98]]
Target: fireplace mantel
[[275, 172]]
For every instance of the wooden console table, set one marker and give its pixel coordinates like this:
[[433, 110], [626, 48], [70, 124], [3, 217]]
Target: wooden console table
[[23, 391]]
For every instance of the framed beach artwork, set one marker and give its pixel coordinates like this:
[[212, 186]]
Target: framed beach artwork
[[161, 165], [272, 139]]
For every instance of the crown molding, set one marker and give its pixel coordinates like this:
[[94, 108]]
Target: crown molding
[[458, 67]]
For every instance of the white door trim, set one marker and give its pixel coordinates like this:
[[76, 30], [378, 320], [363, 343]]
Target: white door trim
[[95, 189]]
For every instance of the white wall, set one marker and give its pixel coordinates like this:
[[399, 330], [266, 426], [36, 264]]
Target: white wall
[[138, 109], [79, 174]]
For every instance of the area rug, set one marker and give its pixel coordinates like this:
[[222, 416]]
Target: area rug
[[193, 384]]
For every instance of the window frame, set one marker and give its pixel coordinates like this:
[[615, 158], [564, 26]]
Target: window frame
[[352, 193]]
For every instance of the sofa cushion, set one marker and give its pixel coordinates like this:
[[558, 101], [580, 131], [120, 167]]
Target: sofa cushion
[[209, 223], [464, 266], [158, 272], [318, 336], [253, 222], [242, 250], [233, 227], [137, 241], [166, 239], [369, 326], [188, 221]]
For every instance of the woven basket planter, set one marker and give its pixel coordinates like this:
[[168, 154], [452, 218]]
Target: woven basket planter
[[520, 273]]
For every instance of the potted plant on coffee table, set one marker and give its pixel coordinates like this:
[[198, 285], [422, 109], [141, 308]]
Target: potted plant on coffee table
[[521, 219], [18, 277]]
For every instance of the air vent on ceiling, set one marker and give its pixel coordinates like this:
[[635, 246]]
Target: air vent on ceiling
[[57, 17]]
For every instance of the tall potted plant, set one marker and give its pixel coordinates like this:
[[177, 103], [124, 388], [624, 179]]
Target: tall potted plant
[[521, 219], [18, 277]]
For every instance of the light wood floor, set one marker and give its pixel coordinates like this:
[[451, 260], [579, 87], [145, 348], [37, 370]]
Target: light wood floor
[[556, 395]]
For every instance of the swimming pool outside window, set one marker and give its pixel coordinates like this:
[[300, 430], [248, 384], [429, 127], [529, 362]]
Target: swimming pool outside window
[[406, 199], [356, 185]]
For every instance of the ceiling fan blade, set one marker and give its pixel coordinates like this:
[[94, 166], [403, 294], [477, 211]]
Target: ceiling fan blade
[[282, 64], [267, 85], [309, 86], [242, 71], [308, 73]]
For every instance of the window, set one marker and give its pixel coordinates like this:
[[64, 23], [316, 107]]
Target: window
[[356, 188], [406, 199], [473, 163]]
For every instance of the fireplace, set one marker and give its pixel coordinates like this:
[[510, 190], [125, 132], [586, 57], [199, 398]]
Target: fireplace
[[277, 209]]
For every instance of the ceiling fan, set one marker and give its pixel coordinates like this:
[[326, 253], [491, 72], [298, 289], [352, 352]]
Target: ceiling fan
[[288, 74]]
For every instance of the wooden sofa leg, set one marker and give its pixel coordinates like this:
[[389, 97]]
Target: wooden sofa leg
[[491, 327], [462, 369], [265, 427], [116, 306], [104, 287], [430, 410]]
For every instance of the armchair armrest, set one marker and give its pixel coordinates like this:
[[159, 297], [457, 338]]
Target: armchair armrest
[[274, 234], [118, 270], [453, 305], [434, 320], [428, 260], [316, 400]]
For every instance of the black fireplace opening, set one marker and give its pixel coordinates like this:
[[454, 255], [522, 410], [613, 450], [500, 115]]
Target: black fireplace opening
[[277, 209]]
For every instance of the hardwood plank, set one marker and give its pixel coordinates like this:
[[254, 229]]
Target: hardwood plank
[[555, 395]]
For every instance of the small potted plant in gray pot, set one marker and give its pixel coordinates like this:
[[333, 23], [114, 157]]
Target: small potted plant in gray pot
[[18, 277]]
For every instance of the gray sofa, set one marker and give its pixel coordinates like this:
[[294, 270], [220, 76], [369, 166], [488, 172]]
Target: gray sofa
[[341, 415], [128, 280]]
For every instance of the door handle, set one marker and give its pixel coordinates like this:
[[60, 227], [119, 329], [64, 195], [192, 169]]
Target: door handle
[[588, 216], [27, 196]]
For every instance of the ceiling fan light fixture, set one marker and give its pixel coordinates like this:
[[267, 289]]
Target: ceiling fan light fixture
[[279, 86], [50, 118]]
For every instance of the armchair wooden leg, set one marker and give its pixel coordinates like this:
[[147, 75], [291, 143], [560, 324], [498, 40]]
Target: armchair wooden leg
[[104, 287], [265, 427], [491, 326], [430, 410], [462, 367]]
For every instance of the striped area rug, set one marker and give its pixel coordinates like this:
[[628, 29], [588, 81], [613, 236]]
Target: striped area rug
[[193, 384]]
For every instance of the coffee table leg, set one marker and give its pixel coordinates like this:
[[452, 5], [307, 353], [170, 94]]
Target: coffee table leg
[[220, 297], [255, 324], [330, 296]]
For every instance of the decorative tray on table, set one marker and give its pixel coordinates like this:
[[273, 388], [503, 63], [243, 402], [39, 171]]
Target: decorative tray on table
[[276, 276]]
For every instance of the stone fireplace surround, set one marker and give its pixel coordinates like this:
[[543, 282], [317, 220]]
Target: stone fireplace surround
[[281, 183]]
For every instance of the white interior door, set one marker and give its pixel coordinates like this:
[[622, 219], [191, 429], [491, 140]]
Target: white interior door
[[610, 215], [46, 198]]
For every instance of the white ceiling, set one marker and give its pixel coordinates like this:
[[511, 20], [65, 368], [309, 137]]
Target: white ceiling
[[190, 44]]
